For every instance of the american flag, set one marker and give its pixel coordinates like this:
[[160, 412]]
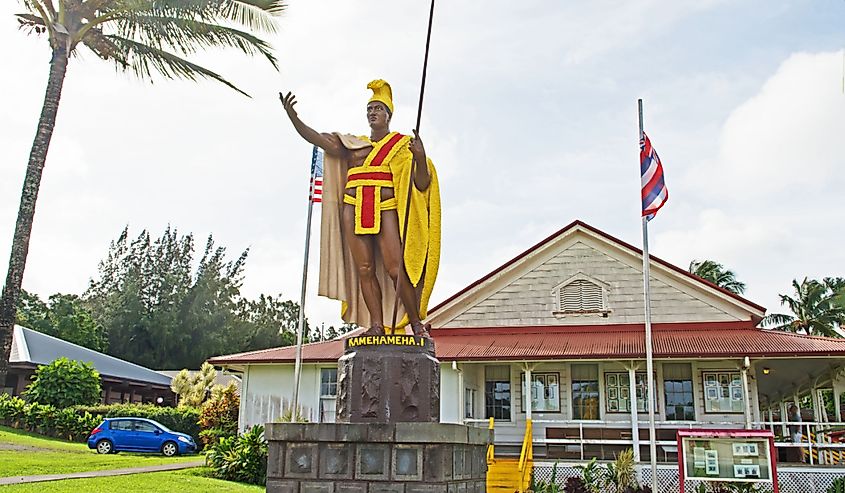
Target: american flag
[[654, 192], [315, 193]]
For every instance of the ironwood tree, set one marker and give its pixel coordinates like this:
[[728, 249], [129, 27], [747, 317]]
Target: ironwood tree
[[161, 312], [142, 37]]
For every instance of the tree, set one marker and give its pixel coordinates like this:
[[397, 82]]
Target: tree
[[717, 274], [160, 313], [138, 36], [63, 316], [816, 306], [65, 383]]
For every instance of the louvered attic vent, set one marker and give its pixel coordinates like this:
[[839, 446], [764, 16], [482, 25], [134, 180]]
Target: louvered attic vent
[[580, 296]]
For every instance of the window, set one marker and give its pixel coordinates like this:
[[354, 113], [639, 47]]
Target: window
[[617, 388], [328, 394], [328, 382], [677, 390], [121, 425], [497, 392], [723, 392], [145, 427], [585, 392], [545, 392], [580, 295], [469, 403]]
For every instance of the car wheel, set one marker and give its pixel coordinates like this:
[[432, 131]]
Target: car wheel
[[104, 447], [169, 449]]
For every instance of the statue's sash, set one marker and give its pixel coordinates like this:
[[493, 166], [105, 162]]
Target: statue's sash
[[368, 180]]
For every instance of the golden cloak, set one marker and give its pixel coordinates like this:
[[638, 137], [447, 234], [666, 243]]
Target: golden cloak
[[338, 276]]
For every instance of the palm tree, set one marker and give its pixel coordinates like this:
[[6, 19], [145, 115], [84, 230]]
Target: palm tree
[[717, 274], [138, 36], [816, 307]]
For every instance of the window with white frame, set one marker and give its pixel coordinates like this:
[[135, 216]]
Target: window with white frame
[[723, 392], [497, 392], [545, 392], [580, 295], [585, 391], [328, 394], [617, 392], [677, 390]]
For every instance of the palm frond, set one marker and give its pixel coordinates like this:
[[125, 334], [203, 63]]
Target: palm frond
[[782, 321], [143, 60], [254, 14], [187, 36]]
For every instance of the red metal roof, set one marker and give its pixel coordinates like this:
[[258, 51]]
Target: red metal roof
[[679, 340], [609, 237]]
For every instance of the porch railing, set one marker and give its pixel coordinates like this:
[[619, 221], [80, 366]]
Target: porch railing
[[817, 445]]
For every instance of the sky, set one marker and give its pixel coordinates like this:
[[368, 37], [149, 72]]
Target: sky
[[530, 115]]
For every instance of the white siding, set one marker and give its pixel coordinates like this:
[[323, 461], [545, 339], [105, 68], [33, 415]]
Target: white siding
[[528, 299], [450, 395], [267, 389]]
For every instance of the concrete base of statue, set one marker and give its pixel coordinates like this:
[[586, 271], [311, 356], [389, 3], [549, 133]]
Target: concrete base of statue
[[376, 458], [388, 438]]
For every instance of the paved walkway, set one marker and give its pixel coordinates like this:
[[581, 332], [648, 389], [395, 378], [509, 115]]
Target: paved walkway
[[100, 474]]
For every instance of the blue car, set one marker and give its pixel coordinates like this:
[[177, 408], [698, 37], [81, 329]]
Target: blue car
[[139, 435]]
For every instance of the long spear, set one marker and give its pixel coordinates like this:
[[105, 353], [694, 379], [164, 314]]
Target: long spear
[[414, 162]]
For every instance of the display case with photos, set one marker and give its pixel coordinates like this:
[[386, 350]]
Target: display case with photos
[[727, 455]]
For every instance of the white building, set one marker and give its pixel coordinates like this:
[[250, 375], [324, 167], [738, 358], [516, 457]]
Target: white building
[[565, 320]]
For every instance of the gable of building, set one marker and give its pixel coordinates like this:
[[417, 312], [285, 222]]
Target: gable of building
[[581, 276]]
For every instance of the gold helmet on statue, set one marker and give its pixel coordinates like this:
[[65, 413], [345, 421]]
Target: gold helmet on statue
[[381, 93]]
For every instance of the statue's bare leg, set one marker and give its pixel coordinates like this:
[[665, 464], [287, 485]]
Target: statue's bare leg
[[363, 253], [391, 251]]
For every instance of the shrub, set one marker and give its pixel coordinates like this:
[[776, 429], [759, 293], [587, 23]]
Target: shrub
[[219, 415], [193, 389], [240, 458], [620, 475], [574, 484], [45, 419], [838, 486], [181, 419], [64, 383]]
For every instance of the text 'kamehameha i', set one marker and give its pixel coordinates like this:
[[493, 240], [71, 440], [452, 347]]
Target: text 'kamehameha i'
[[385, 340]]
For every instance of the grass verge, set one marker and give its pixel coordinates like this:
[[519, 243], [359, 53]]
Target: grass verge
[[186, 481], [27, 454]]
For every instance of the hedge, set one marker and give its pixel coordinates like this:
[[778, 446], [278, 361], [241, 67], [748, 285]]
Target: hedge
[[68, 423], [181, 419]]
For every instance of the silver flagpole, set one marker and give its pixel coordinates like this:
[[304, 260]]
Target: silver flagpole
[[297, 368], [648, 351]]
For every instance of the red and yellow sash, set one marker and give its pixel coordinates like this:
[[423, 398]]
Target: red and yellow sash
[[369, 179]]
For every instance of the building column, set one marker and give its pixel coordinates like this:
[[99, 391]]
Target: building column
[[837, 404], [526, 392], [632, 404], [747, 399]]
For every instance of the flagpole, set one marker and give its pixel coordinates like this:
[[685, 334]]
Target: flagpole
[[648, 342], [297, 368]]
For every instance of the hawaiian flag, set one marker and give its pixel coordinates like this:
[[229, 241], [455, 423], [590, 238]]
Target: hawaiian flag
[[315, 193], [654, 192]]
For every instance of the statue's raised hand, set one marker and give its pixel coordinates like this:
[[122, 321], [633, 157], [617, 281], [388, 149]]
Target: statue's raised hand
[[288, 101]]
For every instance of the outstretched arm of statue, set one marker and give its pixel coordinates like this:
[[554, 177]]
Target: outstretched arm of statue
[[328, 142], [422, 178]]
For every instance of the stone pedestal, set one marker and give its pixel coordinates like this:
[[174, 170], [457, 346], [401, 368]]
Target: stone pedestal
[[388, 379], [376, 458], [388, 438]]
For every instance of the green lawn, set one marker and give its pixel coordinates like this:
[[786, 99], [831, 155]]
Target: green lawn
[[158, 482], [27, 454]]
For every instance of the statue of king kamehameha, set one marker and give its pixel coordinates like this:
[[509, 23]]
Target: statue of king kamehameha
[[366, 182]]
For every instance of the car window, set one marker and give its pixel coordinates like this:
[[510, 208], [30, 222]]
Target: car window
[[144, 426], [121, 425]]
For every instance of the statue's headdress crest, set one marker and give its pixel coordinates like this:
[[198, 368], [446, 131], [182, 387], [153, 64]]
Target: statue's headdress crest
[[381, 93]]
